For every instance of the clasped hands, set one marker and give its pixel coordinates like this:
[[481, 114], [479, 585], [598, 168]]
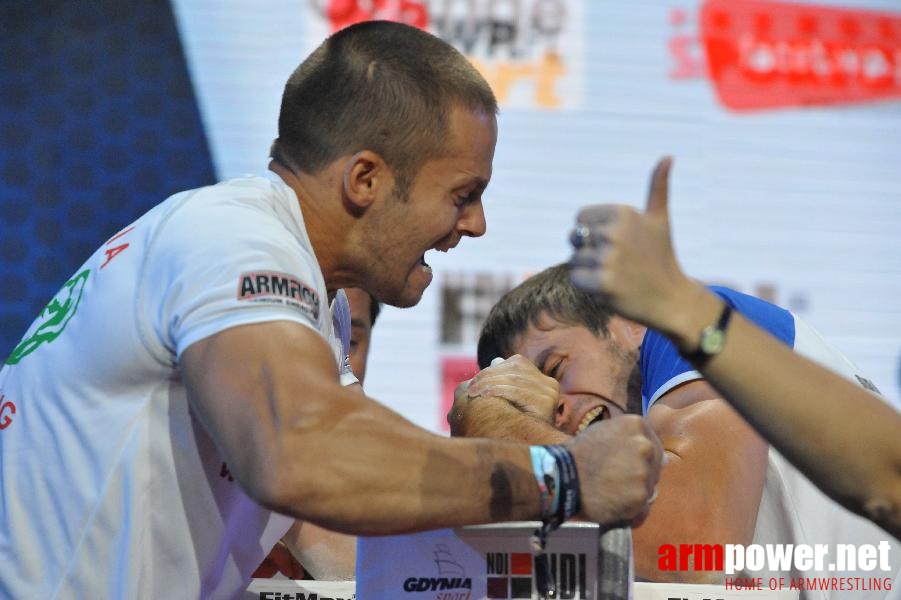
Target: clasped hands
[[512, 385]]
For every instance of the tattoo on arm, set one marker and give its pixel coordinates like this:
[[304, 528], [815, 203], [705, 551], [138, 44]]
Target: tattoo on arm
[[501, 494]]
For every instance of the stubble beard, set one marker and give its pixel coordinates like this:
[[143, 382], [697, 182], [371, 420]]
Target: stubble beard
[[375, 263], [633, 389]]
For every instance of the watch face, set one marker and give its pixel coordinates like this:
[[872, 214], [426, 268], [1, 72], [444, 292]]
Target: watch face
[[712, 341]]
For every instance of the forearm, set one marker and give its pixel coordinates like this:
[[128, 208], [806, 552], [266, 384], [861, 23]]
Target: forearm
[[364, 470], [814, 417], [817, 419], [496, 418], [299, 443]]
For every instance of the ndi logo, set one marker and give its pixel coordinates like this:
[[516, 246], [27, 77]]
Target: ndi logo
[[511, 575]]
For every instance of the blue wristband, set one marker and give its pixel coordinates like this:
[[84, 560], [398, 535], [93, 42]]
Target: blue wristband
[[558, 482], [547, 475]]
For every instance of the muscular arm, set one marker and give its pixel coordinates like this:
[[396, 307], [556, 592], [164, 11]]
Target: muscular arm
[[498, 419], [301, 444], [814, 417], [710, 490], [817, 419]]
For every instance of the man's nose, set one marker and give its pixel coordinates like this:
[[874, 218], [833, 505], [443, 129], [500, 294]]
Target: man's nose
[[472, 222], [563, 413]]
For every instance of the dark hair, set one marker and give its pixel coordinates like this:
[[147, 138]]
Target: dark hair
[[375, 307], [548, 292], [380, 86]]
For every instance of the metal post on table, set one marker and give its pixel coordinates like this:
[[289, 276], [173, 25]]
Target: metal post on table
[[615, 569]]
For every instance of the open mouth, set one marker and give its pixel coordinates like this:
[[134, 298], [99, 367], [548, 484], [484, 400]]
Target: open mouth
[[439, 248], [595, 415]]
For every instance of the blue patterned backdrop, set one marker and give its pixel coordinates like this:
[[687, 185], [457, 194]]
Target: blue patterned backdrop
[[98, 123]]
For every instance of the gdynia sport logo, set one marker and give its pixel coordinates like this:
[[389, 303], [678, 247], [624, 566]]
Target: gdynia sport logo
[[786, 566]]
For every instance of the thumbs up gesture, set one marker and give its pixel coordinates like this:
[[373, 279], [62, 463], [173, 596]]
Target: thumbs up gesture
[[627, 255]]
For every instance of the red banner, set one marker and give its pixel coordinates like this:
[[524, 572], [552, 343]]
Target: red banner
[[763, 54]]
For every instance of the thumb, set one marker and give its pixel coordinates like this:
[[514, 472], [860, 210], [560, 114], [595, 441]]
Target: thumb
[[658, 194]]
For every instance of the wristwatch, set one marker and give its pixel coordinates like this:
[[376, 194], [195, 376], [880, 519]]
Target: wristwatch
[[713, 338]]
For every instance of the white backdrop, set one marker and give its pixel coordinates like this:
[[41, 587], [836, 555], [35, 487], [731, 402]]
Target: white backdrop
[[799, 202]]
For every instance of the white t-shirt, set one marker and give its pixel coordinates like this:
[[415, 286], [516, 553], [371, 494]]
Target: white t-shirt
[[792, 509], [109, 488]]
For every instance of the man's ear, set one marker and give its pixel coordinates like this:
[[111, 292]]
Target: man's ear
[[364, 175], [628, 333]]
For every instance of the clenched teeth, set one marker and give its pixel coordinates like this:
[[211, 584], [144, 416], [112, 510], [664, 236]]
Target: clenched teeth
[[595, 414]]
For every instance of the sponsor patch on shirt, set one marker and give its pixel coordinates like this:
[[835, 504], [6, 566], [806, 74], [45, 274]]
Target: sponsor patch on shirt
[[274, 287]]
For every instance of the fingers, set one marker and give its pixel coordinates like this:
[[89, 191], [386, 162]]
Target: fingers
[[591, 241], [619, 467], [658, 453], [520, 384], [658, 194], [462, 389], [590, 219], [593, 217], [457, 411], [586, 272], [626, 255], [516, 371], [642, 516]]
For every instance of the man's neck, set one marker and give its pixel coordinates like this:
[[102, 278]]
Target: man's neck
[[323, 217]]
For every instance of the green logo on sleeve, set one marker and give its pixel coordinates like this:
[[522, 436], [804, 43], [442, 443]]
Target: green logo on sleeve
[[54, 318]]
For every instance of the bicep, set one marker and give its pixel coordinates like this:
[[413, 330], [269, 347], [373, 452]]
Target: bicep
[[709, 490], [717, 463], [246, 384]]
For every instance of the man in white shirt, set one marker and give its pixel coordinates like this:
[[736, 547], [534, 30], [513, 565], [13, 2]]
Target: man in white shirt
[[180, 402]]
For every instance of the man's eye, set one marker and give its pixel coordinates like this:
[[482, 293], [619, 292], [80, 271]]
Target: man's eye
[[468, 198], [556, 370]]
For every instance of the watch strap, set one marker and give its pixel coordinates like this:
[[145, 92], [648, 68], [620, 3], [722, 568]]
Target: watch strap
[[712, 338]]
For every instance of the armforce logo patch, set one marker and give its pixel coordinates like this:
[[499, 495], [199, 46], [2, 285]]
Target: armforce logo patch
[[278, 288]]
